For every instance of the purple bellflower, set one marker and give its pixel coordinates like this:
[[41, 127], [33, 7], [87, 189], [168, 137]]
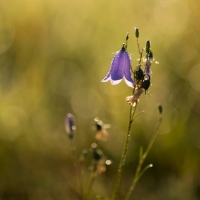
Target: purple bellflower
[[120, 68], [70, 126]]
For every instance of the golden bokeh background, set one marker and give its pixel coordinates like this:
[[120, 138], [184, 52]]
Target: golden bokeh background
[[53, 56]]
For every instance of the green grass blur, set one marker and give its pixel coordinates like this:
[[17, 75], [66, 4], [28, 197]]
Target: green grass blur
[[53, 56]]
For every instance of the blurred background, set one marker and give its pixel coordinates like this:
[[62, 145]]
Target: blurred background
[[53, 56]]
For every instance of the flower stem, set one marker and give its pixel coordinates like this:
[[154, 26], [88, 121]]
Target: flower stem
[[92, 179], [73, 154], [138, 173], [124, 153], [140, 52]]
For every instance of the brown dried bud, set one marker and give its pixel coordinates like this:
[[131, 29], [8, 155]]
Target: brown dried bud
[[132, 99]]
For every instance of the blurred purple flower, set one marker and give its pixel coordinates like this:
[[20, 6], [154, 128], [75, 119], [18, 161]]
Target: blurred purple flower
[[120, 68], [70, 127]]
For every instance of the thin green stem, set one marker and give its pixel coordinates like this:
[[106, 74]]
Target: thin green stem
[[142, 159], [124, 153], [73, 154], [140, 52]]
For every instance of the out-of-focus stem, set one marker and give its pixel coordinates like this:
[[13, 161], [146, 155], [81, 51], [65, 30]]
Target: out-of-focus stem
[[73, 154], [92, 179], [124, 153], [142, 159]]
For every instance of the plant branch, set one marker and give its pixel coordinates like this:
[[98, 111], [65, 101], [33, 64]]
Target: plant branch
[[138, 172], [73, 154], [124, 153]]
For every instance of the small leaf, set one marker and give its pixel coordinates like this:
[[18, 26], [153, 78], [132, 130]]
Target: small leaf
[[144, 170]]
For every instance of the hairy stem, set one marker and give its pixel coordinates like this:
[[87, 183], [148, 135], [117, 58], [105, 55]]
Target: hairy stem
[[92, 179], [124, 153], [73, 154], [140, 52]]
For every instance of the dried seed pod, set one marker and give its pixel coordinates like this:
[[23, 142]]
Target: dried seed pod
[[132, 99]]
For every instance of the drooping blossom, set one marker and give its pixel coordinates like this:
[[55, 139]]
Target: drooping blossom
[[120, 68], [70, 126]]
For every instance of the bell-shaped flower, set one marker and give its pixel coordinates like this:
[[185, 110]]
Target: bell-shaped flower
[[120, 68], [70, 126]]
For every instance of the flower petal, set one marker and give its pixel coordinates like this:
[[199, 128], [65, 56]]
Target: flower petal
[[129, 83], [107, 78], [127, 70], [113, 82], [117, 67]]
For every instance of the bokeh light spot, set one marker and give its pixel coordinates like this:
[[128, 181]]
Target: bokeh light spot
[[170, 119], [195, 136], [116, 105], [177, 96], [69, 76], [12, 120], [108, 162], [171, 17], [194, 100], [86, 103], [194, 77], [185, 48], [7, 33]]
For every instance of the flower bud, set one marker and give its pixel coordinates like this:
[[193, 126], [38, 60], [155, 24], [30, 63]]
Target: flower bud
[[138, 74], [160, 109], [84, 153], [127, 36], [137, 32], [100, 128], [146, 82], [70, 127], [148, 45], [123, 47], [98, 124], [97, 154], [83, 156], [149, 55]]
